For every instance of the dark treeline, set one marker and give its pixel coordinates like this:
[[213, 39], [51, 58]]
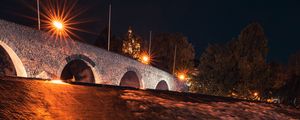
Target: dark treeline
[[237, 68]]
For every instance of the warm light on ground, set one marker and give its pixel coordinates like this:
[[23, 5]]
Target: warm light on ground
[[58, 25], [57, 82]]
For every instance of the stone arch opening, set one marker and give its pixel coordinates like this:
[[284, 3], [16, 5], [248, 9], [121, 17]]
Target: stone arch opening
[[130, 79], [78, 71], [162, 85], [10, 63], [6, 64]]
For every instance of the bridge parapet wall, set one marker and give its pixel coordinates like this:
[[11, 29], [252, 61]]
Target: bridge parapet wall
[[43, 56]]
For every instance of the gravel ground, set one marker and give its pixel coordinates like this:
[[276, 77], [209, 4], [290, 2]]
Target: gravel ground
[[39, 99]]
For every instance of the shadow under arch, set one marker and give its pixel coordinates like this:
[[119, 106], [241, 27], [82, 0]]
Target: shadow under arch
[[162, 85], [79, 68], [14, 65], [130, 79]]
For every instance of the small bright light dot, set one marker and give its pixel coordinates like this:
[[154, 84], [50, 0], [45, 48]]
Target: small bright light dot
[[255, 94], [58, 25]]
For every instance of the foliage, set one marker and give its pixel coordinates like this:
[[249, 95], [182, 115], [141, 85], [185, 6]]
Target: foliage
[[278, 75], [131, 44], [290, 91], [163, 47], [115, 42], [237, 68]]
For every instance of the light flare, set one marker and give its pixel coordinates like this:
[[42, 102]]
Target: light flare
[[65, 14], [145, 58], [58, 25], [182, 75], [60, 19]]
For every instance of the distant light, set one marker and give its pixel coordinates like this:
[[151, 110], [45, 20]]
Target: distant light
[[57, 82], [182, 74], [269, 100], [58, 25]]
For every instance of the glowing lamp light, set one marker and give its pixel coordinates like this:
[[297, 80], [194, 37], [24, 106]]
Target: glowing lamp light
[[145, 58], [60, 18], [181, 76], [58, 25], [255, 94]]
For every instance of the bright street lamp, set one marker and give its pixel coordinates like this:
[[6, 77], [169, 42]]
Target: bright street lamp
[[145, 58], [60, 19], [181, 76], [58, 25], [58, 28]]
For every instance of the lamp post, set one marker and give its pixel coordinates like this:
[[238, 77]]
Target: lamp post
[[150, 40], [174, 60], [38, 14], [109, 25]]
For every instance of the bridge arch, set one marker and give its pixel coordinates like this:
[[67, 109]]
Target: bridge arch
[[131, 78], [18, 66], [162, 85], [79, 68]]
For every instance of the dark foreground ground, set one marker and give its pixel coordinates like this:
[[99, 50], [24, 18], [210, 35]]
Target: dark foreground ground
[[37, 99]]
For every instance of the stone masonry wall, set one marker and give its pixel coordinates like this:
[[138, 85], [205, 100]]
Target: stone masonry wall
[[45, 57]]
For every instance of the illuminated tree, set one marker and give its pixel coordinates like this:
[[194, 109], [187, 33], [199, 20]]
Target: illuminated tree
[[131, 44]]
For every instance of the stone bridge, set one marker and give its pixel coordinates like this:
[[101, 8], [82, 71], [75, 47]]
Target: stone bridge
[[26, 52]]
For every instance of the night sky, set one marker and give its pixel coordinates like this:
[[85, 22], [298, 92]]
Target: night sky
[[202, 21]]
